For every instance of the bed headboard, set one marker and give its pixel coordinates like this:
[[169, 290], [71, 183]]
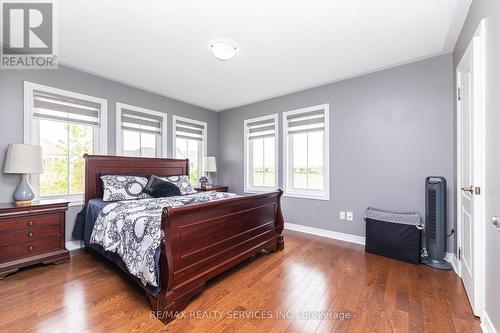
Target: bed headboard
[[98, 165]]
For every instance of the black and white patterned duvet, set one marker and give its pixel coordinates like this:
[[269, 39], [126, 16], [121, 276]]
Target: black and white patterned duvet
[[131, 229]]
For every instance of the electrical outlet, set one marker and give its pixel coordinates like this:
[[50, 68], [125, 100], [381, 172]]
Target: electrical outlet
[[342, 215], [349, 216]]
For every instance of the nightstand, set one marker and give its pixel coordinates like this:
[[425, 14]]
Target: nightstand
[[32, 234], [213, 188]]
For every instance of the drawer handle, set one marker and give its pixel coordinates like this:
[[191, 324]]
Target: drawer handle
[[30, 234], [30, 248], [30, 223]]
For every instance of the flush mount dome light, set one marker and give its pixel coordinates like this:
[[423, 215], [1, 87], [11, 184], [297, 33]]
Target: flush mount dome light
[[223, 50]]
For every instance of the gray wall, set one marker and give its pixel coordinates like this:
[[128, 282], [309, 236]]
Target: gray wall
[[406, 111], [479, 10], [388, 131], [12, 108]]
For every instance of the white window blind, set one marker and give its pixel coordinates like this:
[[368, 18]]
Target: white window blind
[[306, 122], [188, 130], [141, 122], [51, 106], [261, 129]]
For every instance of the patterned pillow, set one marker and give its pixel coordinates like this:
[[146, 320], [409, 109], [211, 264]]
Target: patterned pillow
[[121, 187], [182, 183]]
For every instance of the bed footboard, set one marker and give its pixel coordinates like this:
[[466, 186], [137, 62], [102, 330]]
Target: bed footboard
[[202, 241]]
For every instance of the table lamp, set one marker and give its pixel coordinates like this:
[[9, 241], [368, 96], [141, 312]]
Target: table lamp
[[23, 159], [210, 166]]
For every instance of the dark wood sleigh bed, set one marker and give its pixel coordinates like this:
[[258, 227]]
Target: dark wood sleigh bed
[[199, 241]]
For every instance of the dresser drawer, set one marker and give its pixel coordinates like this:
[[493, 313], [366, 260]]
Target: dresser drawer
[[30, 248], [30, 235], [30, 222]]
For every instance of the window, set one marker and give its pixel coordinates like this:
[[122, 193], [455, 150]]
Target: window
[[140, 132], [67, 125], [190, 142], [261, 153], [306, 152]]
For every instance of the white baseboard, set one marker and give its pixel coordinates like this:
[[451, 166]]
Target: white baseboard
[[326, 233], [453, 260], [486, 324], [74, 245], [450, 256]]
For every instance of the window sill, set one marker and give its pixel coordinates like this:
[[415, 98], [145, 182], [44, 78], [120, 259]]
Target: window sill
[[72, 201], [307, 196], [258, 191]]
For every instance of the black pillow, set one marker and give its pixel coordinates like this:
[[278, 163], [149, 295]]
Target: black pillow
[[158, 188]]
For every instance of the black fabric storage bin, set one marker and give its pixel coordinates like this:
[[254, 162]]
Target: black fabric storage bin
[[397, 240]]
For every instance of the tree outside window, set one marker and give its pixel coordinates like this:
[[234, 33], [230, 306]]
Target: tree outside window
[[63, 146]]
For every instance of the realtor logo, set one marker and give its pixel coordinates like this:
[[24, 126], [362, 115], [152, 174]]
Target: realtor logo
[[28, 35]]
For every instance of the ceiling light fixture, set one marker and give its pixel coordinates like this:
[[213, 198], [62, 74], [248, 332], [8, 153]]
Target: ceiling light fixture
[[223, 50]]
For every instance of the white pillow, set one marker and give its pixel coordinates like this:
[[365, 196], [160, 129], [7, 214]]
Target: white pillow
[[121, 187]]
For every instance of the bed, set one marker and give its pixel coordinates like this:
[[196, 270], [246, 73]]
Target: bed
[[198, 241]]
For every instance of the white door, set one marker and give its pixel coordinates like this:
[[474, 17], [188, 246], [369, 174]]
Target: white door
[[471, 169], [466, 176]]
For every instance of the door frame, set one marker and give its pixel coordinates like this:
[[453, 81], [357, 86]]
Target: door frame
[[479, 127]]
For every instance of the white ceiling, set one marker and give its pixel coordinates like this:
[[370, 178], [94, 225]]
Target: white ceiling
[[283, 45]]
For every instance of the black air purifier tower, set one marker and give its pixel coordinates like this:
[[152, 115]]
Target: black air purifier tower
[[435, 222]]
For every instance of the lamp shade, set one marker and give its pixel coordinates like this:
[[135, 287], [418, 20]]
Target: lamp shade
[[22, 158], [210, 164]]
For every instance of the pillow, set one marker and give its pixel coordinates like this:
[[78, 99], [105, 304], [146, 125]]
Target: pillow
[[182, 183], [159, 188], [122, 187]]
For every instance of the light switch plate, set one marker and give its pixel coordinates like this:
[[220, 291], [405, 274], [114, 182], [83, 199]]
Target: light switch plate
[[349, 216], [342, 215]]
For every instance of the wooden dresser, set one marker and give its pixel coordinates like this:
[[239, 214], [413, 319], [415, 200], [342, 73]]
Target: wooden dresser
[[32, 234]]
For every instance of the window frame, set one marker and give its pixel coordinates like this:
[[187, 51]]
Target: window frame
[[288, 157], [162, 140], [203, 146], [32, 131], [248, 188]]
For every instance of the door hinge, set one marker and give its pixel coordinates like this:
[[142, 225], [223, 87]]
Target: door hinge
[[459, 94], [459, 253]]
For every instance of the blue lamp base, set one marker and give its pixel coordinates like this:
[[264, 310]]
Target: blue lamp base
[[24, 194]]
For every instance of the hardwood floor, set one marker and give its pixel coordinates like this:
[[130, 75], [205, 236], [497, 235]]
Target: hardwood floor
[[316, 277]]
